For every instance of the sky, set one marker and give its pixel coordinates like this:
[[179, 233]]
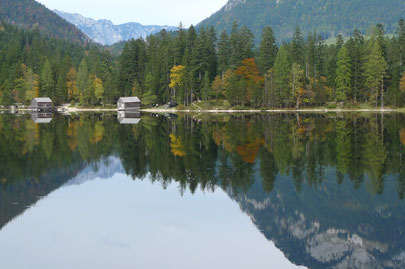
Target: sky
[[146, 12]]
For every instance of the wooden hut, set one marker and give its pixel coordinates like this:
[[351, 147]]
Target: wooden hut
[[41, 104], [129, 103], [125, 117]]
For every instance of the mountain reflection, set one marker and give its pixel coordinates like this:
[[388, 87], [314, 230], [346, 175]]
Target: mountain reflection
[[326, 189]]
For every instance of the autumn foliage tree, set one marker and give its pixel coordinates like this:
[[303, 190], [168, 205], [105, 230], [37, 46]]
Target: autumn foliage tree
[[177, 79], [252, 82]]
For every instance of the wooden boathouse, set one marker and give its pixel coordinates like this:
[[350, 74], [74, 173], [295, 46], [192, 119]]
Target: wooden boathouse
[[41, 104], [129, 103]]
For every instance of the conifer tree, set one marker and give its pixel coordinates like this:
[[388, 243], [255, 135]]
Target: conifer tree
[[375, 71], [223, 53], [297, 47], [83, 81], [47, 81], [282, 74], [267, 50], [343, 75]]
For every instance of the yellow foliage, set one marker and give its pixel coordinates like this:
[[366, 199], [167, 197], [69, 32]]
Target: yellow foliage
[[71, 86], [98, 87], [217, 135], [176, 76], [177, 146], [31, 83], [136, 132], [71, 132], [98, 132], [31, 136], [217, 86]]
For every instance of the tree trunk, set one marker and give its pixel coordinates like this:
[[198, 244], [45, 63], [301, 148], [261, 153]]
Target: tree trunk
[[382, 93]]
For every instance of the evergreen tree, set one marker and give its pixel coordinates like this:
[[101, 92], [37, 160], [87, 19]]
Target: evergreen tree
[[206, 87], [343, 75], [282, 75], [223, 53], [355, 46], [83, 82], [47, 81], [267, 50], [401, 41], [297, 47], [375, 71]]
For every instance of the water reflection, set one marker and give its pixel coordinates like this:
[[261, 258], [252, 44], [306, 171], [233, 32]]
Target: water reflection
[[41, 117], [326, 189], [128, 117]]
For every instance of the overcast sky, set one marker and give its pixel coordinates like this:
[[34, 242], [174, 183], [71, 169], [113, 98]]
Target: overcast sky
[[147, 12]]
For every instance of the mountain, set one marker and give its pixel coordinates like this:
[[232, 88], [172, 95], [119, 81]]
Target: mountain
[[327, 17], [31, 14], [106, 33]]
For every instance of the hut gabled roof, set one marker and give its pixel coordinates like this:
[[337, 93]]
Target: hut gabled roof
[[43, 100], [130, 99]]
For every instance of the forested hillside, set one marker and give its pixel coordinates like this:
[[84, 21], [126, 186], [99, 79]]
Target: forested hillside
[[328, 17], [32, 65], [31, 14], [189, 66], [192, 65]]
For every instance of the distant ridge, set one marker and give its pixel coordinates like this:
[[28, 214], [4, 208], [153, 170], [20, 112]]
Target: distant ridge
[[31, 14], [106, 33], [328, 17]]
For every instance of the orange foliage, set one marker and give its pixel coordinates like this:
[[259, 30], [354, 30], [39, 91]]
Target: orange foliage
[[249, 151], [402, 83], [402, 136], [249, 71]]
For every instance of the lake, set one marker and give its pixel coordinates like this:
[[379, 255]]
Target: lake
[[202, 191]]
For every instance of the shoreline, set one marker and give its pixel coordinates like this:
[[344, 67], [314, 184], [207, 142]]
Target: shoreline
[[317, 110], [163, 110]]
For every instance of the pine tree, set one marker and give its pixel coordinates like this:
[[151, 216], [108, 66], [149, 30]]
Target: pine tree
[[375, 71], [236, 55], [355, 46], [206, 88], [282, 75], [83, 82], [223, 53], [343, 75], [267, 50], [71, 84], [297, 47], [401, 41], [297, 74], [46, 80]]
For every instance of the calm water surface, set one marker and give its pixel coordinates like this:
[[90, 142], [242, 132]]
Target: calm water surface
[[202, 191]]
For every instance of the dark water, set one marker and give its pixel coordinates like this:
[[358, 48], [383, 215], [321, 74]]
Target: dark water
[[202, 191]]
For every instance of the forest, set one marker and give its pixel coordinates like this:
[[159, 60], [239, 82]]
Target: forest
[[189, 66]]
